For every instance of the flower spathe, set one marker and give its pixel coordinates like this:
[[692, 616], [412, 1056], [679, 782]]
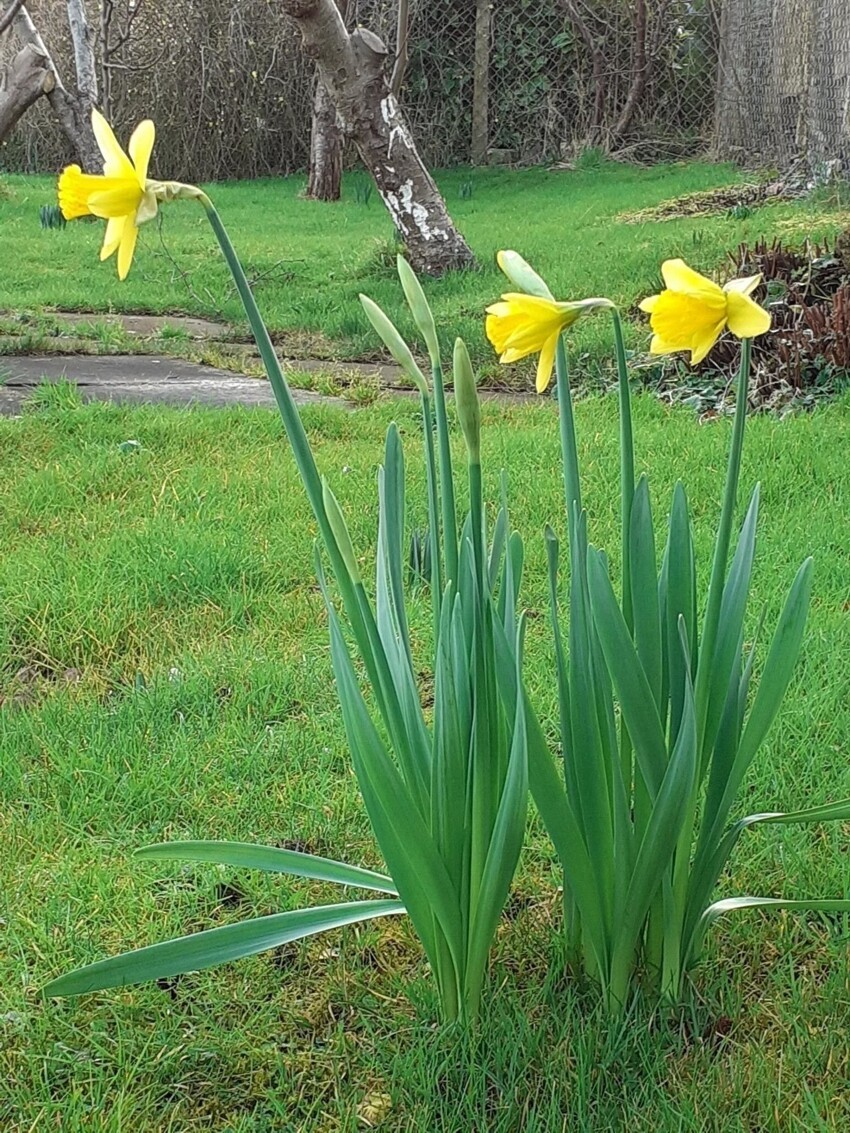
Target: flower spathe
[[521, 324], [692, 312], [123, 195]]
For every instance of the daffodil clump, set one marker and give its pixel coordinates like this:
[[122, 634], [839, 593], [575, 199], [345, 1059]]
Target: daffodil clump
[[660, 714]]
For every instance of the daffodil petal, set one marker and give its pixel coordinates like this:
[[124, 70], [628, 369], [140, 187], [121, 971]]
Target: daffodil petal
[[703, 342], [744, 286], [512, 355], [115, 161], [112, 237], [649, 303], [545, 363], [746, 318], [532, 305], [127, 247], [122, 200], [680, 278], [140, 147], [683, 319]]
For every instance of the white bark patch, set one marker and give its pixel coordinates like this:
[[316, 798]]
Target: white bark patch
[[395, 124], [407, 212]]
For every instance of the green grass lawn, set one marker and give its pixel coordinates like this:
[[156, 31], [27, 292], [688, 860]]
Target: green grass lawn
[[311, 259], [164, 674]]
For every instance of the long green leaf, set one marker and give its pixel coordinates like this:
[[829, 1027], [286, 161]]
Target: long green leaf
[[247, 855], [733, 607], [778, 669], [216, 946], [669, 813], [503, 854], [636, 700], [644, 587], [733, 904], [679, 601], [405, 841]]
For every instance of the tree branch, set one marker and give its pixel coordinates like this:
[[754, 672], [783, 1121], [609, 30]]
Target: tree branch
[[7, 17]]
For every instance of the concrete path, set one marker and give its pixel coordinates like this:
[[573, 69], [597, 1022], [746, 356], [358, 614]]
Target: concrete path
[[140, 378]]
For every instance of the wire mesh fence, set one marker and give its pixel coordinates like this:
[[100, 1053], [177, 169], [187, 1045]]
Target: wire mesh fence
[[783, 92], [505, 80]]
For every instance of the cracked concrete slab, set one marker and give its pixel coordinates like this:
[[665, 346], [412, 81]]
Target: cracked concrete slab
[[145, 379]]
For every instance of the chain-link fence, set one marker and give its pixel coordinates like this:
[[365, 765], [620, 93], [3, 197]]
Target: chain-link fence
[[512, 80], [784, 82]]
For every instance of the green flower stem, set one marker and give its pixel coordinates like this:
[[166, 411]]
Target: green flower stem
[[721, 555], [627, 462], [288, 410], [447, 490], [362, 621], [627, 495], [569, 447], [433, 515]]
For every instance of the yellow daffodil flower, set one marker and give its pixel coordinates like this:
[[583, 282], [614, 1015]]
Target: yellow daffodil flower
[[529, 324], [692, 313], [123, 196]]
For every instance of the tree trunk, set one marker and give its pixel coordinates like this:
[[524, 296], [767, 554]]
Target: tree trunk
[[22, 83], [84, 60], [481, 84], [324, 181], [352, 69], [73, 116], [325, 178], [640, 72]]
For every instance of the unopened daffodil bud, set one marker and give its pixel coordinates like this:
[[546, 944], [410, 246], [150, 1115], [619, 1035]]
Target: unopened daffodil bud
[[394, 343], [419, 308], [466, 400], [522, 275]]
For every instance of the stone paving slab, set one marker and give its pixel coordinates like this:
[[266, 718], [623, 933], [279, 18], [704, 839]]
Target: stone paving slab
[[145, 326], [144, 379]]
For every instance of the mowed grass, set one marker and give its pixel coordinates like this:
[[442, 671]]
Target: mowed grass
[[164, 674], [310, 259]]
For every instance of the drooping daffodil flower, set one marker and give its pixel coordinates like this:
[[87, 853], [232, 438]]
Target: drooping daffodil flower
[[123, 195], [523, 324], [692, 312]]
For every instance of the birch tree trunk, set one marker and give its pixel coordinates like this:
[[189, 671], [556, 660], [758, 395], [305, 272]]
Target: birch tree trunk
[[352, 68]]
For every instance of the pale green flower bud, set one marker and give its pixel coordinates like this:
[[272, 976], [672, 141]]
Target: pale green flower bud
[[394, 343], [419, 308], [522, 275], [466, 400]]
